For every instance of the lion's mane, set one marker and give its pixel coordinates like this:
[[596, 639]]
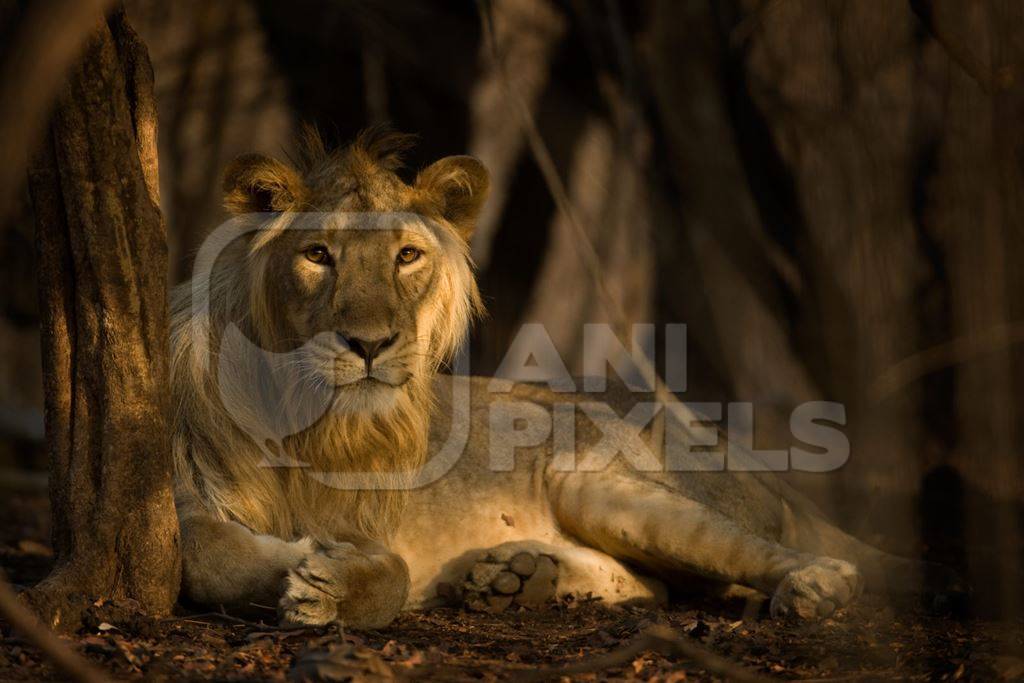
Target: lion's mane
[[221, 414]]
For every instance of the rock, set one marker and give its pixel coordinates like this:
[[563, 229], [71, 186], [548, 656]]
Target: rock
[[540, 587], [523, 564], [506, 583]]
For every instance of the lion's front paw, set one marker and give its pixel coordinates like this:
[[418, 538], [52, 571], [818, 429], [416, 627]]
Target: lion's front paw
[[816, 590], [501, 578], [313, 590]]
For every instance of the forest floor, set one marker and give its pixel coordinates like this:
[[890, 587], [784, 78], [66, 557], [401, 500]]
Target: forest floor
[[869, 641]]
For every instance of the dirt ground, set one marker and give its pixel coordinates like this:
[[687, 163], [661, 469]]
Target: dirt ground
[[581, 641]]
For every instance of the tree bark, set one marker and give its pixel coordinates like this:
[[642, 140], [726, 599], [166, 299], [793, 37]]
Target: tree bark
[[103, 305]]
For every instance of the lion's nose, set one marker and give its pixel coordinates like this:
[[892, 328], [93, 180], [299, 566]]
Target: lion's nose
[[368, 349]]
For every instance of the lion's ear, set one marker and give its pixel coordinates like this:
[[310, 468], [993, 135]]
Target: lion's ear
[[457, 186], [254, 182]]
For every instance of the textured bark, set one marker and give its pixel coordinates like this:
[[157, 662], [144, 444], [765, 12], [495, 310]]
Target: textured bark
[[103, 306]]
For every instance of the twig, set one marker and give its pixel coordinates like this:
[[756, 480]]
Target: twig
[[549, 171], [587, 252], [666, 641], [60, 655], [266, 607], [198, 619], [954, 352], [960, 55], [741, 34], [260, 627]]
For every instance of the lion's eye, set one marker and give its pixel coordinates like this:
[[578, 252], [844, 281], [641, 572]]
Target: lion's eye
[[318, 254], [407, 255]]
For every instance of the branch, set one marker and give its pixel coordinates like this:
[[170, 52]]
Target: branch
[[960, 55], [666, 641], [954, 352], [556, 187], [60, 655]]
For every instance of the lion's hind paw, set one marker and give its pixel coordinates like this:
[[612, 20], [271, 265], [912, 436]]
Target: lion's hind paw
[[816, 590], [497, 581]]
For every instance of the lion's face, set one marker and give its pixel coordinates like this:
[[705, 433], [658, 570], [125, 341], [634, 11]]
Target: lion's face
[[366, 278], [364, 294]]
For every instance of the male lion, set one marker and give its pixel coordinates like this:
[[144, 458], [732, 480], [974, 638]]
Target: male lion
[[359, 285]]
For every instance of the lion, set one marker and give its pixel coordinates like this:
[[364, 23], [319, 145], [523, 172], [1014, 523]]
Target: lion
[[349, 285]]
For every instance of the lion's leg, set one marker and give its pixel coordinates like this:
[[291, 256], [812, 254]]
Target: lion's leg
[[655, 526], [883, 573], [530, 572], [223, 563]]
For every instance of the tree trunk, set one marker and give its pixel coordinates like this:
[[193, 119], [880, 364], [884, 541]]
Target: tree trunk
[[103, 306], [975, 212], [742, 273], [527, 33], [221, 96], [839, 109], [606, 187]]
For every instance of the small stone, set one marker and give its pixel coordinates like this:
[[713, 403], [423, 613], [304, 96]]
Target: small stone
[[484, 572], [498, 603], [506, 583], [523, 564], [540, 587]]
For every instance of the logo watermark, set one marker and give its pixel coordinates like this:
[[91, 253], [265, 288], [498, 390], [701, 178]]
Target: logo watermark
[[273, 394]]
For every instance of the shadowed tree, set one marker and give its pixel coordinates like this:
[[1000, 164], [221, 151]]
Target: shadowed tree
[[102, 258]]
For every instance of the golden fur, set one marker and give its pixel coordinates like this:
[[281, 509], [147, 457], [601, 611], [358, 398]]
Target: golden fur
[[219, 462], [265, 332]]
